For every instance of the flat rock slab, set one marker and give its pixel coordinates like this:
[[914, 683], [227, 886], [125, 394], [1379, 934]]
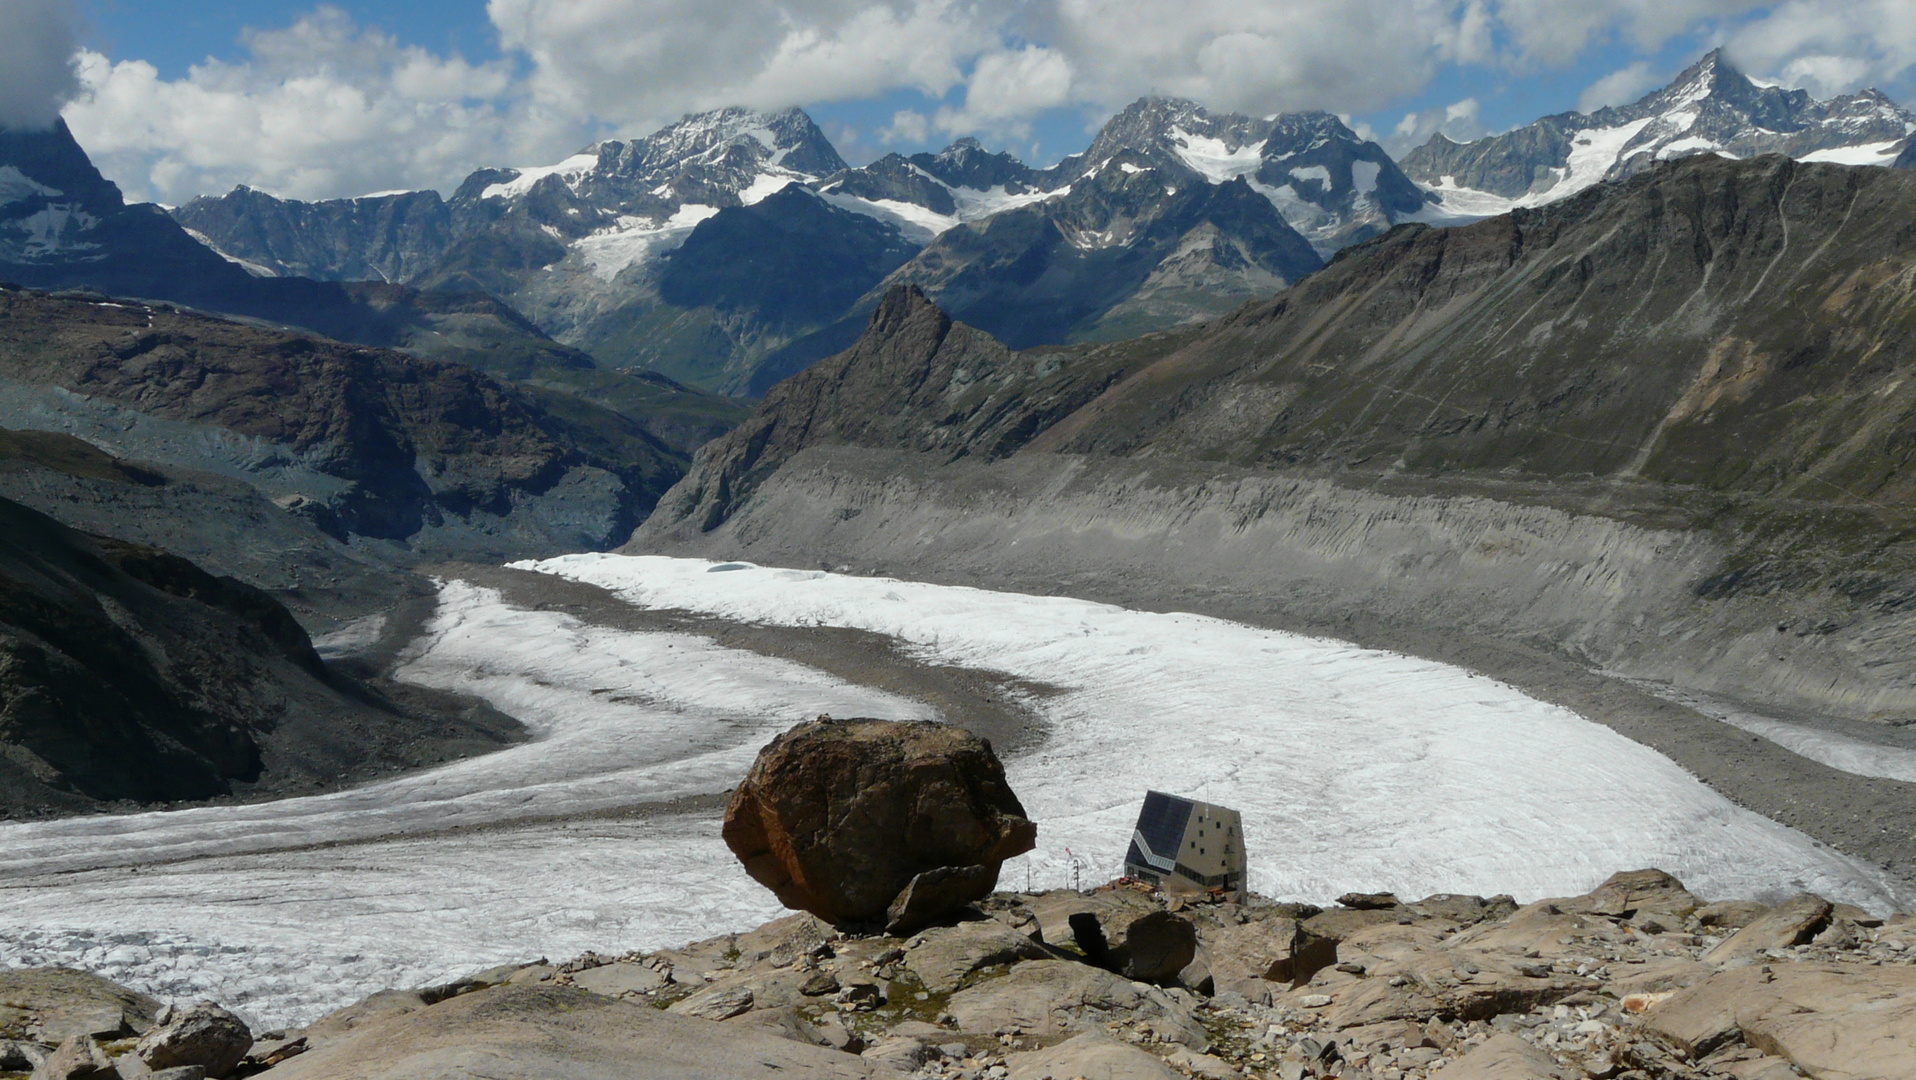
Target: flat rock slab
[[618, 980], [563, 1033], [1505, 1057], [51, 1005], [1791, 922], [1062, 997], [1091, 1056], [942, 957], [1833, 1021]]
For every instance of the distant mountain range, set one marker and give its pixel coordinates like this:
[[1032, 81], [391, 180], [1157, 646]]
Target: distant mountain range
[[734, 248]]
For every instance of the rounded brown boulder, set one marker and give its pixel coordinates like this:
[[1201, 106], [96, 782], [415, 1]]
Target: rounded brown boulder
[[838, 817]]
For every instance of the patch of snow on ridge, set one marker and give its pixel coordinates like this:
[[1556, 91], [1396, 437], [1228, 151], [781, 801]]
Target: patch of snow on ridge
[[976, 203], [1593, 153], [1213, 158], [247, 265], [918, 223], [1318, 173], [767, 184], [1364, 175], [1349, 765], [636, 239], [1882, 153], [1683, 147], [571, 168], [16, 185]]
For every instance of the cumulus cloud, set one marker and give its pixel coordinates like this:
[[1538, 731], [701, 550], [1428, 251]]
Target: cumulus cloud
[[38, 39], [1620, 87], [1829, 48], [636, 63], [319, 109], [327, 108], [1007, 88], [1459, 122]]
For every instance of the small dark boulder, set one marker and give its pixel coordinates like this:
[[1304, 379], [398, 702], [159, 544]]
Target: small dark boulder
[[1156, 947], [838, 817], [202, 1035]]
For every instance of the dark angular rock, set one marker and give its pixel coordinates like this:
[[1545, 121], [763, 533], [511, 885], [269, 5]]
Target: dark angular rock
[[1156, 947], [936, 893], [202, 1035]]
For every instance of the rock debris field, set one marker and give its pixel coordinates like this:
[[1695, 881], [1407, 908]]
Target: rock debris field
[[1352, 768]]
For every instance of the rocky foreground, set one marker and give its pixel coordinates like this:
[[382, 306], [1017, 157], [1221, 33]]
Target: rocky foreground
[[1636, 980]]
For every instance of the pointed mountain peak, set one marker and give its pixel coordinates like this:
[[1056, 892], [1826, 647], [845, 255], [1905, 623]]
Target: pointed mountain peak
[[1711, 76], [51, 158], [902, 307]]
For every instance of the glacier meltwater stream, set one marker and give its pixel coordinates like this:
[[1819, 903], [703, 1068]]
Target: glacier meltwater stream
[[1354, 769]]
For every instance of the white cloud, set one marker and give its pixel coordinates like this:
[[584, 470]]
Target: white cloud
[[1007, 88], [38, 39], [321, 108], [1829, 48], [1551, 32], [638, 63], [1457, 121], [1620, 87], [908, 127]]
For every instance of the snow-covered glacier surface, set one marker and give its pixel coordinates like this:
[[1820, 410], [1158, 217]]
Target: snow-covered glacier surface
[[1354, 769]]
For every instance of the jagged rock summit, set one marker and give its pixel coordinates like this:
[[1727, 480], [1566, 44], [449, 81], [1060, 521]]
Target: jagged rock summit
[[852, 820], [1710, 108]]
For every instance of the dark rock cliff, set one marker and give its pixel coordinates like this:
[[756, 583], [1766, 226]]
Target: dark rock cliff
[[127, 673]]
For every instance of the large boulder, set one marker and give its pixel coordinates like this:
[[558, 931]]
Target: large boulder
[[838, 817]]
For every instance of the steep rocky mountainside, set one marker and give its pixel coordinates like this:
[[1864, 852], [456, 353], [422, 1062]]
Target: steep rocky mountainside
[[1677, 405], [222, 524], [417, 456], [746, 282], [389, 237], [127, 673], [1710, 108]]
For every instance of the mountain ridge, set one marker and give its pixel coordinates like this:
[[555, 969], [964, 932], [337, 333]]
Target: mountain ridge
[[1710, 107], [1642, 357]]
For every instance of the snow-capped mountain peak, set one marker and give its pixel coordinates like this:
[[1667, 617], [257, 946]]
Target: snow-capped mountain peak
[[1324, 180], [1710, 107]]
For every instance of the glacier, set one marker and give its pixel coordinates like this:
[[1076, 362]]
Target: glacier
[[1353, 768]]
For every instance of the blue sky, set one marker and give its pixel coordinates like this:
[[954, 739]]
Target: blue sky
[[354, 96]]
